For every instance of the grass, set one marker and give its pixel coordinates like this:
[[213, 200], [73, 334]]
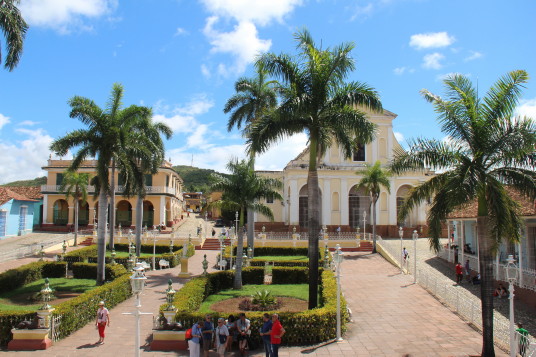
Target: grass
[[277, 258], [11, 300], [300, 291]]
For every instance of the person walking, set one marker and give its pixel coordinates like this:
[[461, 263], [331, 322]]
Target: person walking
[[265, 332], [405, 254], [459, 273], [103, 320], [221, 337], [194, 344], [467, 271], [275, 335], [208, 332], [243, 326]]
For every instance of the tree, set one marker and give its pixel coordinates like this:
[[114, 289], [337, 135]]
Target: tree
[[242, 190], [253, 97], [487, 149], [316, 99], [74, 185], [374, 178], [113, 140], [14, 28]]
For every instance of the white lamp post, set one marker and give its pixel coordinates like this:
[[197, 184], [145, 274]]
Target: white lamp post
[[401, 235], [154, 250], [220, 239], [511, 275], [364, 224], [415, 236], [137, 280], [236, 224], [338, 256], [206, 224]]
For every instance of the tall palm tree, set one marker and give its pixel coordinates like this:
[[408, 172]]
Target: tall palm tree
[[14, 28], [74, 185], [487, 149], [374, 178], [242, 190], [112, 139], [253, 97], [316, 100]]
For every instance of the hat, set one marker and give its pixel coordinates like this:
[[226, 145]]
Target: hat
[[101, 303]]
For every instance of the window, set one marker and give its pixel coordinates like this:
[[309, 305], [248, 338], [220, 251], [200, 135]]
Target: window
[[59, 179], [148, 180], [359, 153], [3, 223], [167, 181], [22, 219], [270, 199], [120, 179]]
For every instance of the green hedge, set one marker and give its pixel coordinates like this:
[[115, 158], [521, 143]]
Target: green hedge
[[280, 251], [303, 328], [89, 271], [25, 274], [284, 275], [10, 319]]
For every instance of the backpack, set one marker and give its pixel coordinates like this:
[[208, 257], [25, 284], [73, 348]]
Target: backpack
[[188, 334]]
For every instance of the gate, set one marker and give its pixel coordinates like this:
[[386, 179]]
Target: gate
[[55, 322]]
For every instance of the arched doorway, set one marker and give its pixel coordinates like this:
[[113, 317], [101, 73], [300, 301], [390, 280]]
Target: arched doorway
[[124, 213], [304, 209], [358, 202], [61, 213], [401, 195], [83, 213], [148, 214]]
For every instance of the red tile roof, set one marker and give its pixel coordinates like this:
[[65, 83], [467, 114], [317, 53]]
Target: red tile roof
[[33, 192], [6, 194]]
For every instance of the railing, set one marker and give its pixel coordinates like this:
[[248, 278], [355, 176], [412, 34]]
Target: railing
[[331, 236], [54, 332], [118, 189], [32, 249]]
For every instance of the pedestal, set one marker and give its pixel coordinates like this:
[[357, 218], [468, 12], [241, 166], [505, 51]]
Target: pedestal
[[184, 268], [45, 314], [169, 341], [29, 340], [170, 315]]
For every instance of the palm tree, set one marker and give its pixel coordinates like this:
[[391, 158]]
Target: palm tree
[[374, 178], [14, 28], [487, 149], [242, 190], [316, 100], [74, 185], [253, 97], [112, 138]]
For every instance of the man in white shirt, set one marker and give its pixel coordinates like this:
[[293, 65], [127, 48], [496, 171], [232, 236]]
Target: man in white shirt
[[221, 337]]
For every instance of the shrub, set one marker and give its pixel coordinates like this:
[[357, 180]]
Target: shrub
[[263, 298], [54, 270], [10, 319], [25, 274], [89, 271], [284, 275]]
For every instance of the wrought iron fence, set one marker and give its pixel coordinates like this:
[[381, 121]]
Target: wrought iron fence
[[32, 249], [55, 322]]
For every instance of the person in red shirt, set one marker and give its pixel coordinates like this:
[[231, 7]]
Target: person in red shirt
[[459, 273], [275, 335]]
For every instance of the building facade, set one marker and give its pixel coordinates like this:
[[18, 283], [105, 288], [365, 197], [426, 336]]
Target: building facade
[[343, 204], [18, 212], [163, 203]]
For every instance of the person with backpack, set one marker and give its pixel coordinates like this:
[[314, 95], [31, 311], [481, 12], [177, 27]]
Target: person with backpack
[[194, 343], [221, 337]]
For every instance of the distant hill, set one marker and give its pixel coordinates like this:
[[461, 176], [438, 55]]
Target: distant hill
[[195, 179], [35, 182]]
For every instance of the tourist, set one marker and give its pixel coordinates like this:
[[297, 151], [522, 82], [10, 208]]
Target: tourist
[[523, 340], [476, 279], [231, 326], [265, 332], [243, 327], [208, 331], [405, 254], [103, 320], [194, 342], [213, 232], [500, 291], [467, 271], [275, 336], [459, 273], [222, 333]]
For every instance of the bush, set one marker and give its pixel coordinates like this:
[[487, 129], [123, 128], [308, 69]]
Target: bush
[[89, 271], [283, 275], [28, 273], [10, 319], [54, 270]]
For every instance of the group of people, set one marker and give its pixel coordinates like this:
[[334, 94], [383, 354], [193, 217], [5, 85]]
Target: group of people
[[205, 335], [459, 273], [500, 292]]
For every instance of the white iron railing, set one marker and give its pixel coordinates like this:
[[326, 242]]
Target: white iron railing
[[33, 248], [118, 189]]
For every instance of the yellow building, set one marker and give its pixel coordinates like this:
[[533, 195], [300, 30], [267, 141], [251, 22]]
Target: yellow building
[[342, 203], [163, 203]]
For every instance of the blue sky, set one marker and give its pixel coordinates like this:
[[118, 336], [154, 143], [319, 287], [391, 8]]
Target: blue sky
[[182, 57]]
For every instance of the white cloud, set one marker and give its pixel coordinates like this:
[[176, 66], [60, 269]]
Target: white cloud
[[279, 155], [442, 77], [399, 137], [28, 123], [527, 108], [262, 12], [362, 11], [205, 71], [3, 120], [432, 60], [431, 40], [199, 137], [401, 70], [182, 119], [25, 158], [65, 15], [473, 56], [242, 43], [180, 31]]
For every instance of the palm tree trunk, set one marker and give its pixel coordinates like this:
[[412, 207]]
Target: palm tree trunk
[[237, 285], [101, 236], [374, 226], [313, 207], [139, 223], [112, 206], [485, 248], [250, 216], [75, 221]]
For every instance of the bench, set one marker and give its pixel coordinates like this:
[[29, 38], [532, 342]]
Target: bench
[[163, 263]]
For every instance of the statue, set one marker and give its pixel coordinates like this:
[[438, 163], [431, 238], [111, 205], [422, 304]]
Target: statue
[[163, 324], [38, 322]]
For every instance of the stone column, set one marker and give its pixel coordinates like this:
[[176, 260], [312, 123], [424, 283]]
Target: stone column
[[343, 200], [294, 203], [326, 203]]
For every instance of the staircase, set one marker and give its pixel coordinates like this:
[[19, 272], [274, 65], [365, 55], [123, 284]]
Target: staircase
[[365, 246], [214, 244], [87, 241]]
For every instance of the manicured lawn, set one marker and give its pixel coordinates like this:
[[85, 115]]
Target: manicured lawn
[[300, 291], [277, 258], [17, 300]]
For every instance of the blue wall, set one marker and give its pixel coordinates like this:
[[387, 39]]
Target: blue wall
[[13, 217]]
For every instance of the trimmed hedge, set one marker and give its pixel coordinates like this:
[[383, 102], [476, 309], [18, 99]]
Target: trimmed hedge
[[284, 275], [89, 271], [28, 273], [303, 328], [10, 319]]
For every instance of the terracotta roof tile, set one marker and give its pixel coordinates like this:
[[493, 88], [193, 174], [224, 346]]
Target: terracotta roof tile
[[33, 192], [7, 194]]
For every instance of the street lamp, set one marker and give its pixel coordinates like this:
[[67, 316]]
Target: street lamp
[[236, 224], [154, 249], [364, 224], [250, 253], [415, 237], [511, 275], [338, 257], [220, 238], [325, 236], [137, 281], [401, 235]]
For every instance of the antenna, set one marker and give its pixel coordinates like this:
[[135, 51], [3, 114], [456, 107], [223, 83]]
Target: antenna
[[192, 163]]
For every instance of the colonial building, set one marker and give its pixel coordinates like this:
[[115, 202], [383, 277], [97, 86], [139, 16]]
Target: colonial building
[[19, 210], [162, 204], [342, 203]]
